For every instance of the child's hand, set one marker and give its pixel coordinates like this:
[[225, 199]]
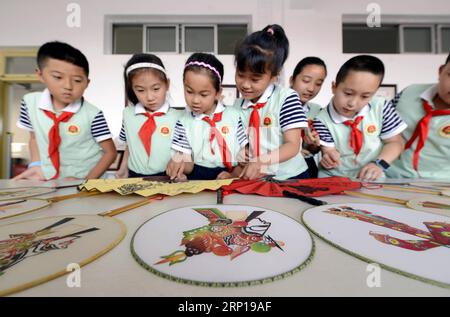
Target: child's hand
[[243, 156], [252, 171], [122, 173], [180, 179], [175, 170], [33, 173], [312, 138], [331, 159], [370, 172], [224, 175], [305, 152]]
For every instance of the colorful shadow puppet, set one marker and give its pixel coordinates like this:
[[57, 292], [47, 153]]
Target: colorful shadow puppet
[[225, 237], [438, 234], [21, 246]]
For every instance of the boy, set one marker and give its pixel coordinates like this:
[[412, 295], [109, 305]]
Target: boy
[[426, 110], [359, 135], [69, 137]]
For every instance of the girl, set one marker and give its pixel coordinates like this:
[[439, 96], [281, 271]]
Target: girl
[[148, 120], [274, 114], [307, 80], [208, 138]]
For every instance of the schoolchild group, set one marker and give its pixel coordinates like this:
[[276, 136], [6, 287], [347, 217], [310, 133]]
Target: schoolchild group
[[270, 131]]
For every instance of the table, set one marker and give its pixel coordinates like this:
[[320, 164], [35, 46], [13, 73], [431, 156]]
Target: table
[[330, 273]]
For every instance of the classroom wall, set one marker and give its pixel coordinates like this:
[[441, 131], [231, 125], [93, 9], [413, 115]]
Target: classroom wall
[[313, 27]]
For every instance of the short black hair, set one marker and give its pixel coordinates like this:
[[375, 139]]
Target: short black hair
[[310, 60], [263, 50], [362, 63], [208, 59], [448, 59], [130, 96], [63, 52]]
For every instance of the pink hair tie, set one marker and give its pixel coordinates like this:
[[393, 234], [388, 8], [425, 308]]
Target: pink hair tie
[[202, 64], [269, 30]]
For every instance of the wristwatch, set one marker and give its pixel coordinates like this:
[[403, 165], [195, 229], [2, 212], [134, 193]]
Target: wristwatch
[[381, 163]]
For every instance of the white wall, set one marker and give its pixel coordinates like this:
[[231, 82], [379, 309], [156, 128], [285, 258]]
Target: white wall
[[313, 28]]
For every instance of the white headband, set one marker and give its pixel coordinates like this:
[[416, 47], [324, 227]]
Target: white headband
[[145, 65]]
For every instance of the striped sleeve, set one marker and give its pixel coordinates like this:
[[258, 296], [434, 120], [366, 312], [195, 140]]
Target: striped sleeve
[[396, 99], [292, 115], [391, 124], [326, 139], [241, 135], [180, 142], [122, 135], [24, 119], [99, 128]]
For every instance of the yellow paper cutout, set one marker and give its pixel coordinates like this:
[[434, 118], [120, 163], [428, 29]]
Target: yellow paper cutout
[[150, 188]]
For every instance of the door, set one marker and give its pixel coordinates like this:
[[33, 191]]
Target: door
[[17, 78]]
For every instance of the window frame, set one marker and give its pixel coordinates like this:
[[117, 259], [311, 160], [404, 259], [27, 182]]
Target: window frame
[[439, 38], [183, 36], [157, 20], [113, 41], [434, 21], [361, 26], [402, 28], [177, 36]]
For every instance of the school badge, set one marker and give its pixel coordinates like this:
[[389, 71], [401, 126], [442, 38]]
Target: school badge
[[371, 129], [73, 129], [164, 130], [267, 121], [225, 130], [444, 131]]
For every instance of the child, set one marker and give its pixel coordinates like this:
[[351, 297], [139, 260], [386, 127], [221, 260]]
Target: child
[[273, 115], [69, 137], [307, 79], [359, 135], [208, 138], [426, 110], [148, 122]]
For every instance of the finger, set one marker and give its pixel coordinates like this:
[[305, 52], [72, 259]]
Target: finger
[[335, 158], [24, 175], [180, 170], [244, 170], [172, 173], [326, 160], [362, 173]]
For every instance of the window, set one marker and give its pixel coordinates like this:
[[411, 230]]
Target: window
[[358, 38], [162, 39], [127, 39], [397, 34], [20, 65], [199, 39], [417, 39], [229, 36], [444, 39], [177, 38]]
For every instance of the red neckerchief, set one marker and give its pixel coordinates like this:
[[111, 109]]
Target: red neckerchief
[[421, 130], [147, 130], [356, 136], [55, 138], [214, 133]]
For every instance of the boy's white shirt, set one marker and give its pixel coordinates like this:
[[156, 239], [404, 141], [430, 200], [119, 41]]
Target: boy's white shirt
[[45, 103], [429, 94], [340, 119]]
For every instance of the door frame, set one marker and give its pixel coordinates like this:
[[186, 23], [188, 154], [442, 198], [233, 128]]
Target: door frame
[[5, 82]]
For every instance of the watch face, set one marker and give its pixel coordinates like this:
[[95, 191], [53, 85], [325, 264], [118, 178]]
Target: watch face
[[383, 164]]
